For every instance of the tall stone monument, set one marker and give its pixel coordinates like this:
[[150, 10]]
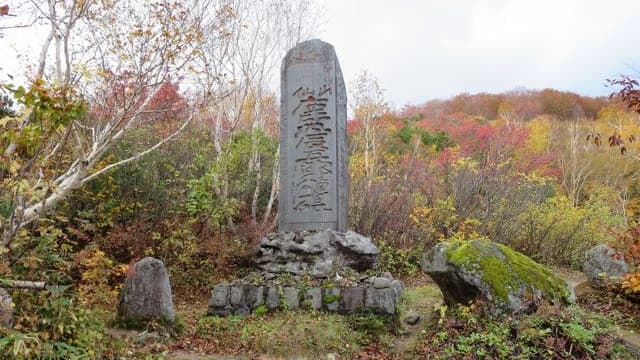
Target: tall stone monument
[[313, 242], [314, 189]]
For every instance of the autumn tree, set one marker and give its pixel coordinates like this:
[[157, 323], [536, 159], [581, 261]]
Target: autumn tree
[[628, 91], [258, 34], [368, 105], [99, 70]]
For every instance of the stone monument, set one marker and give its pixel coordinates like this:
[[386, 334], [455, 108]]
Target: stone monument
[[314, 188], [312, 262], [146, 295]]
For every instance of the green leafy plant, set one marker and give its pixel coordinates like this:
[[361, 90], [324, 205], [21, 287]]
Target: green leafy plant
[[53, 325], [550, 333], [399, 261]]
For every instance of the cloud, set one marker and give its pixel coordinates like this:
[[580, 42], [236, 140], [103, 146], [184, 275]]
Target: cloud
[[432, 49]]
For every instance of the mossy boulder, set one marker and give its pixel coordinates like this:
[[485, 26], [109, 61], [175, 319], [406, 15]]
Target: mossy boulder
[[505, 280]]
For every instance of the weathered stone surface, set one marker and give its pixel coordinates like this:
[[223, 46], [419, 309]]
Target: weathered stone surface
[[398, 288], [314, 189], [146, 294], [505, 279], [604, 265], [273, 298], [220, 295], [412, 317], [352, 299], [381, 300], [381, 283], [242, 310], [219, 302], [235, 297], [317, 253], [346, 300], [291, 297], [314, 298], [254, 295], [6, 309]]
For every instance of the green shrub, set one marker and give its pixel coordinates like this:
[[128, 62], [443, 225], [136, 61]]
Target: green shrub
[[373, 328], [557, 232], [551, 333], [399, 261], [53, 325]]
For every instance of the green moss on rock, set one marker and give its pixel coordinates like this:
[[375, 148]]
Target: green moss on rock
[[506, 271], [331, 298]]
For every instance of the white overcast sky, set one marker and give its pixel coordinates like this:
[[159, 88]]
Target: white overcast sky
[[422, 50]]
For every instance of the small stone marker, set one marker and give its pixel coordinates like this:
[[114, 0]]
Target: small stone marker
[[146, 294], [314, 189]]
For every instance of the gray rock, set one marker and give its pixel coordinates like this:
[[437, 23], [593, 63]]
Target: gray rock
[[381, 300], [314, 191], [220, 295], [314, 298], [346, 300], [331, 299], [273, 298], [398, 288], [412, 317], [219, 302], [604, 265], [235, 297], [466, 271], [291, 297], [242, 310], [146, 294], [387, 275], [352, 299], [318, 253], [254, 296], [6, 309], [381, 283]]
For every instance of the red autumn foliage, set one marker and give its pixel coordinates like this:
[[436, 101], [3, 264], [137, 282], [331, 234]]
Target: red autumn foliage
[[629, 92], [353, 126], [165, 105], [523, 105]]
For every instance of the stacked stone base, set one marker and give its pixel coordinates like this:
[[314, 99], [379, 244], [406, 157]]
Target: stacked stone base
[[379, 297]]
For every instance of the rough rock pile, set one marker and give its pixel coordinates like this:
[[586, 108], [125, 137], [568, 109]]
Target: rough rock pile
[[317, 253]]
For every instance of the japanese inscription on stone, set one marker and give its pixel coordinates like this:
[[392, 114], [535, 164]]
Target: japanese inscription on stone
[[313, 171]]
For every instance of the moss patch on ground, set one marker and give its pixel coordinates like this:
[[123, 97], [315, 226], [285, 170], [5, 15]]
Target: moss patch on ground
[[505, 270], [421, 299]]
